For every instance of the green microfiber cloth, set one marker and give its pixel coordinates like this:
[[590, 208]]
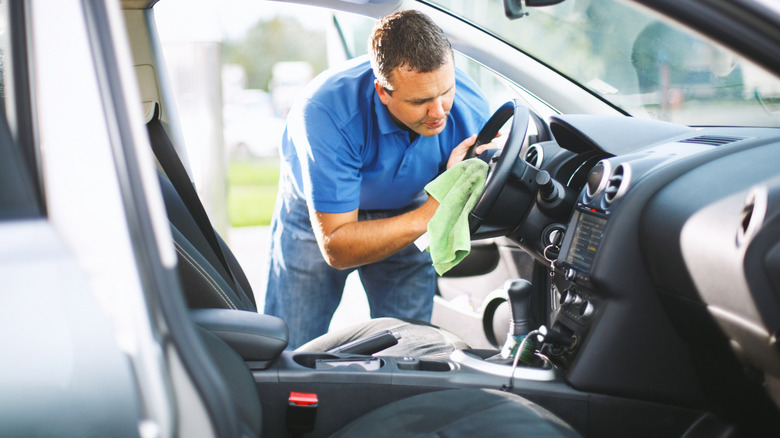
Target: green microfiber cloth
[[457, 190]]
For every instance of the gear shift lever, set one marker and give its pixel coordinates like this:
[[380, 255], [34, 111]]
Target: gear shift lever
[[519, 295]]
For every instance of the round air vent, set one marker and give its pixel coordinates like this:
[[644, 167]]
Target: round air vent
[[617, 184], [534, 156], [597, 178]]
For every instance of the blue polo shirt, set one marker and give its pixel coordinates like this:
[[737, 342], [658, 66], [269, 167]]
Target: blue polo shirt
[[342, 151]]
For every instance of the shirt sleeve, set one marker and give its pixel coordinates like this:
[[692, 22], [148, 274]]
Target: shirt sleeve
[[330, 162]]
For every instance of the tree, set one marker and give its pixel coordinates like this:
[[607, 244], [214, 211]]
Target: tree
[[270, 41]]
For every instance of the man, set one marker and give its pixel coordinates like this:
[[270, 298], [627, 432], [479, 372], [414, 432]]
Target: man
[[357, 152]]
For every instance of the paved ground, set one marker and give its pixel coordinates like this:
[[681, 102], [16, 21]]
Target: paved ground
[[250, 245]]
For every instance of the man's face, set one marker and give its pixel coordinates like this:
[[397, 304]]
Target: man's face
[[420, 102]]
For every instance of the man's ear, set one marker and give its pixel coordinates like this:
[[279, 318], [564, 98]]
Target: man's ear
[[384, 96]]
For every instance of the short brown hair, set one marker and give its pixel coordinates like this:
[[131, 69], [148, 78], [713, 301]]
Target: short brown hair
[[406, 39]]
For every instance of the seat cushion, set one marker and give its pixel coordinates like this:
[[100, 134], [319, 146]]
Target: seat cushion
[[456, 413], [418, 339]]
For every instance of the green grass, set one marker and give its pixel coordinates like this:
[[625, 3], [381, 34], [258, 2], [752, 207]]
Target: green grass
[[253, 172], [252, 188]]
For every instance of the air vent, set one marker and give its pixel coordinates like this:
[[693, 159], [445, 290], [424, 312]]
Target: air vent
[[752, 214], [597, 179], [712, 140], [534, 156], [747, 216], [617, 184]]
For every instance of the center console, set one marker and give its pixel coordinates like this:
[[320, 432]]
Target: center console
[[579, 247], [577, 305], [349, 386]]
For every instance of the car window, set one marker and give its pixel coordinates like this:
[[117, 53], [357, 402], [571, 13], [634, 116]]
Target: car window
[[639, 62]]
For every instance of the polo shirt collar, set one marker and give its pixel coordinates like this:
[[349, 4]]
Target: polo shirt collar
[[386, 123]]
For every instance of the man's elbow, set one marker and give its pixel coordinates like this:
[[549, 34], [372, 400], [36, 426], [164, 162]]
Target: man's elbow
[[334, 259], [336, 263]]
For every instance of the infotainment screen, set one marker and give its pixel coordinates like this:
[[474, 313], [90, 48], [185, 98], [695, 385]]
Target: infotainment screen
[[580, 246]]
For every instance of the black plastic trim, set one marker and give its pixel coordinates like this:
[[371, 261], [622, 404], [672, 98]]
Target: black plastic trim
[[24, 100]]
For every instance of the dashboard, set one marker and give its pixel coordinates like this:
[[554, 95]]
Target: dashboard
[[669, 267]]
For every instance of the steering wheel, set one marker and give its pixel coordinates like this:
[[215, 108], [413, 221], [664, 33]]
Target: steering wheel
[[502, 164]]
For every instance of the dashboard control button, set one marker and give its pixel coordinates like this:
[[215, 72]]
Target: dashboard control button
[[586, 309]]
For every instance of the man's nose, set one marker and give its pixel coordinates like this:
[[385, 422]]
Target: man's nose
[[436, 109]]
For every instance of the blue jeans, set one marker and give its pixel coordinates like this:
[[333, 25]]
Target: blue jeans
[[305, 291]]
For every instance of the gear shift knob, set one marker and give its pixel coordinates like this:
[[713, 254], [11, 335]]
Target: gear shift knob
[[519, 294]]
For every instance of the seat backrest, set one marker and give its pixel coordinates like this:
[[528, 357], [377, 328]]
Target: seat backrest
[[205, 287], [205, 282], [209, 272]]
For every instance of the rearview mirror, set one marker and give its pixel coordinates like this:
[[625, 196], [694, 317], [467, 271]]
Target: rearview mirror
[[514, 8]]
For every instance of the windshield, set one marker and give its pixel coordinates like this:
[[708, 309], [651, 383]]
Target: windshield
[[634, 59]]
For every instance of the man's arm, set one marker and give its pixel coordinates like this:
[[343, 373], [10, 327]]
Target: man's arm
[[346, 243]]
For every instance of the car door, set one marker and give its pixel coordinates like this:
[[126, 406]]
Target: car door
[[65, 372]]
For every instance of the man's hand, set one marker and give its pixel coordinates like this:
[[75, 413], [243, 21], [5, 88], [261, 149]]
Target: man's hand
[[459, 153]]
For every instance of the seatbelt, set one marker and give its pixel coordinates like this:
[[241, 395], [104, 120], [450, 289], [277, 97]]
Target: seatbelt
[[172, 166]]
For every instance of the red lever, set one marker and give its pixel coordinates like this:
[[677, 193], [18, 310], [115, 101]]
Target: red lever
[[303, 399]]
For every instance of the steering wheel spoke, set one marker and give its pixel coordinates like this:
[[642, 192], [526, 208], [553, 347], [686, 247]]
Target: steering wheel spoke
[[510, 189]]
